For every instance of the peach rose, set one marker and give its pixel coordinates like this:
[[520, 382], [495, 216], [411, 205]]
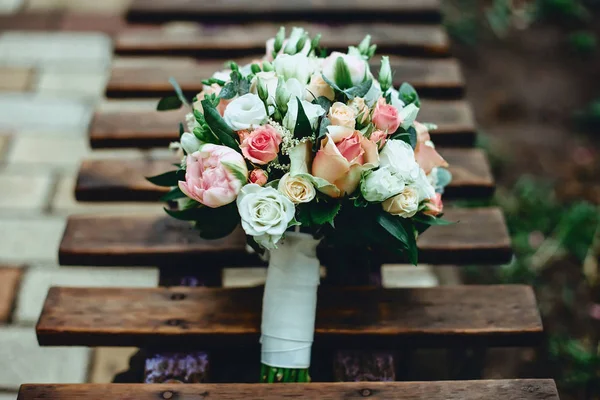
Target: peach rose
[[435, 205], [378, 137], [208, 90], [318, 87], [386, 117], [209, 178], [261, 145], [344, 155], [361, 109], [425, 153], [258, 176], [342, 115]]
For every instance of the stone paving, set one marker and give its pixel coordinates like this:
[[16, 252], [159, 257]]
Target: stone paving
[[50, 83]]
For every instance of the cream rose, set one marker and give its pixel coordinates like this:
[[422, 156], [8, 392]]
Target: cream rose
[[265, 214], [318, 87], [405, 204], [245, 112], [342, 115], [297, 189], [361, 109], [400, 158]]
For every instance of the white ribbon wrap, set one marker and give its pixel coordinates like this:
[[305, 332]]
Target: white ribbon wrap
[[289, 302]]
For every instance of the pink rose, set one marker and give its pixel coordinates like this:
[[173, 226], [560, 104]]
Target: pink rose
[[258, 176], [345, 153], [261, 145], [386, 117], [425, 153], [378, 137], [208, 90], [209, 178], [435, 205]]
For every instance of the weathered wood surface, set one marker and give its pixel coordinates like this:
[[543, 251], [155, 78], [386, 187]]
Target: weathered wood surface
[[526, 389], [347, 317], [333, 10], [124, 179], [148, 128], [148, 76], [10, 278], [249, 39], [480, 237]]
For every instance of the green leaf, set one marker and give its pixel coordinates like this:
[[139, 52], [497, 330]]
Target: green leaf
[[318, 212], [324, 102], [169, 103], [229, 91], [205, 135], [412, 137], [302, 128], [325, 122], [167, 179], [342, 74], [185, 215], [402, 230], [218, 126], [409, 95], [216, 223], [174, 194], [444, 177], [433, 221], [331, 83], [178, 90], [236, 171], [244, 87], [359, 90]]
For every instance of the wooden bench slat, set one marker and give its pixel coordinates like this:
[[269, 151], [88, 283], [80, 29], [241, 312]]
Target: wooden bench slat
[[149, 76], [10, 277], [150, 128], [479, 237], [522, 389], [247, 39], [365, 317], [420, 10], [124, 180]]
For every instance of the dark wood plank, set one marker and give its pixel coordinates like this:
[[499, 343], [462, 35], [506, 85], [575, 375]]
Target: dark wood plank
[[333, 10], [249, 39], [149, 128], [352, 317], [124, 180], [10, 277], [148, 76], [479, 237], [515, 389]]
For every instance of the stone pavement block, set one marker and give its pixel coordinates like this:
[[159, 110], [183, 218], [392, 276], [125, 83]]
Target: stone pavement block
[[400, 275], [10, 277], [109, 361], [65, 48], [64, 202], [104, 6], [16, 79], [37, 281], [40, 114], [10, 6], [22, 360], [72, 83], [24, 191], [30, 240]]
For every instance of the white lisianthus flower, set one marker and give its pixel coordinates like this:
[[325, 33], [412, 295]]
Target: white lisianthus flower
[[297, 189], [380, 185], [270, 80], [400, 158], [357, 66], [296, 66], [396, 101], [408, 115], [244, 112], [312, 111], [373, 94], [190, 143], [265, 214], [405, 204], [223, 75], [295, 87], [425, 188]]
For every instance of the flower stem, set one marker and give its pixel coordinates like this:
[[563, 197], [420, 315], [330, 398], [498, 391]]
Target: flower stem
[[283, 375]]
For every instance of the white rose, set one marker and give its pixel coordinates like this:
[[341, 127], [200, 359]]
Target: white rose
[[405, 204], [270, 80], [265, 214], [360, 108], [190, 143], [222, 75], [318, 87], [342, 115], [244, 112], [358, 67], [296, 66], [380, 185], [373, 94], [297, 189], [400, 158], [423, 184], [312, 111]]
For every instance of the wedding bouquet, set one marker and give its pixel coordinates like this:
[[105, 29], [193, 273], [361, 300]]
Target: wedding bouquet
[[302, 148]]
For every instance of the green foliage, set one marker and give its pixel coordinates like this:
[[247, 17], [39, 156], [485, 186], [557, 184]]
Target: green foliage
[[583, 42], [302, 128], [169, 103], [318, 212], [167, 179], [589, 117], [218, 126], [408, 94], [343, 79], [173, 194]]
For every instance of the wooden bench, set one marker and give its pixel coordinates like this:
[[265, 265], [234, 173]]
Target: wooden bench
[[527, 389]]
